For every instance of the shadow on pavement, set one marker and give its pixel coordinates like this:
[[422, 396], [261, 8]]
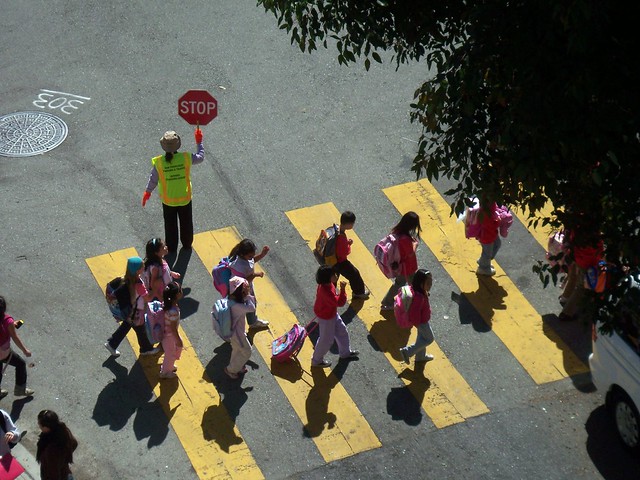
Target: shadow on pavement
[[606, 450]]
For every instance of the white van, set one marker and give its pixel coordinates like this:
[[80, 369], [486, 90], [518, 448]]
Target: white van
[[615, 371]]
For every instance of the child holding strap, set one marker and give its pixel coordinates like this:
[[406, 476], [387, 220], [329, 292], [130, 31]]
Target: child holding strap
[[243, 258], [242, 304], [171, 341], [330, 323], [420, 315], [157, 273]]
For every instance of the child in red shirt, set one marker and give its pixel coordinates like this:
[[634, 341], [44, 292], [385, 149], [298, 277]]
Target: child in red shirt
[[330, 323], [343, 249]]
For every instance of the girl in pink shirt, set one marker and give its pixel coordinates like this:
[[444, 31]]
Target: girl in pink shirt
[[420, 316], [171, 340], [157, 273], [408, 231]]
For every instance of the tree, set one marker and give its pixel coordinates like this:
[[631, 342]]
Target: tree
[[531, 102]]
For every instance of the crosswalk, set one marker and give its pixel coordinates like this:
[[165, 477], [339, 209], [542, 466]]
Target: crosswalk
[[438, 387]]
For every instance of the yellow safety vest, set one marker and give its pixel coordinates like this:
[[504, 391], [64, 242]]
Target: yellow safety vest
[[174, 178]]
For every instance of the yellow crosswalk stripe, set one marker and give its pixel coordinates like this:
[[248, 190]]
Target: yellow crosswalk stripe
[[540, 351], [444, 395], [191, 403], [328, 413], [540, 233]]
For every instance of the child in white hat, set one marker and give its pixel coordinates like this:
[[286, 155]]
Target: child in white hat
[[241, 302]]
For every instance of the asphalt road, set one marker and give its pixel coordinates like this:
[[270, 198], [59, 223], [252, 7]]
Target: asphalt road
[[294, 130]]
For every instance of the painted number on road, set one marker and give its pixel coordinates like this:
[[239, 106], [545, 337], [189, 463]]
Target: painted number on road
[[65, 102]]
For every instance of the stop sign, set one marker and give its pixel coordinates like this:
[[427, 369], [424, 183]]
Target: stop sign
[[197, 106]]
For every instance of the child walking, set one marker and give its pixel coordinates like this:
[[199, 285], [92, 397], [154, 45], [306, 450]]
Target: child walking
[[243, 258], [157, 273], [343, 249], [489, 238], [330, 323], [139, 296], [408, 232], [419, 315], [8, 356], [171, 341], [242, 304]]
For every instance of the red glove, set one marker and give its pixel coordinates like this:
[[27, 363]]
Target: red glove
[[198, 135], [145, 196]]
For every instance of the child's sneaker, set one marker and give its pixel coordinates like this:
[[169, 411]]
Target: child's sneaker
[[258, 324], [405, 355], [322, 364], [427, 358], [114, 352], [153, 351], [364, 294], [22, 391], [487, 272], [3, 392]]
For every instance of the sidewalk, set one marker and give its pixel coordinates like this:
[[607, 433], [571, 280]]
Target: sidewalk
[[28, 462]]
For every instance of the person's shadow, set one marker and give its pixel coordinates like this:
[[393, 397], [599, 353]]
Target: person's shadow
[[218, 421], [404, 403], [574, 340], [477, 308], [317, 403]]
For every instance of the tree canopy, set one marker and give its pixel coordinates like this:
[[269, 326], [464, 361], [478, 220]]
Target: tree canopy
[[529, 102]]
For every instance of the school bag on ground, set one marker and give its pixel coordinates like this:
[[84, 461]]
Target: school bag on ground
[[401, 304], [119, 299], [221, 318], [221, 274], [286, 347], [387, 254], [326, 245], [154, 321]]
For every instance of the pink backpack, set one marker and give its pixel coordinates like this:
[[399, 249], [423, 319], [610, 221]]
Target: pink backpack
[[472, 223], [387, 254], [286, 347], [506, 220], [401, 305]]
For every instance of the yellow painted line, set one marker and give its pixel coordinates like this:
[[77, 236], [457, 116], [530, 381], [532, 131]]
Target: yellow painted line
[[201, 422], [540, 233], [326, 410], [444, 395], [502, 306]]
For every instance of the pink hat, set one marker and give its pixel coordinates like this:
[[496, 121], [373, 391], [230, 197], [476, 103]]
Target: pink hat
[[236, 282]]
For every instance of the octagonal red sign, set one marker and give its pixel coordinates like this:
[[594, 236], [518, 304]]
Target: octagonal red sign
[[197, 107]]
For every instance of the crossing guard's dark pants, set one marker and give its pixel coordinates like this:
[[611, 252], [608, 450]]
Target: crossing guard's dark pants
[[171, 216]]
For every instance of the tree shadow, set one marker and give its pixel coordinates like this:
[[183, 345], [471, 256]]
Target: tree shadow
[[218, 421], [606, 450], [404, 403], [477, 308]]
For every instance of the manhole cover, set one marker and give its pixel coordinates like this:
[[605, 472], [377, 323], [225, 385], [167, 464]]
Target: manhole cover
[[23, 134]]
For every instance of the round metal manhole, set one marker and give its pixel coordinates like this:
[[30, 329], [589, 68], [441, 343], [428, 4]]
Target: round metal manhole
[[23, 134]]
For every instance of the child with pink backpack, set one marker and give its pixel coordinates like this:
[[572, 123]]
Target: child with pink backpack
[[412, 309]]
